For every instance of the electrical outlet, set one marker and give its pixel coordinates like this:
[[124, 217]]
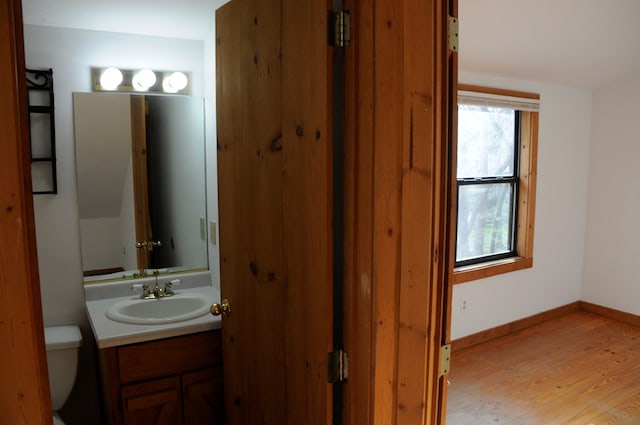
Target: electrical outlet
[[463, 305]]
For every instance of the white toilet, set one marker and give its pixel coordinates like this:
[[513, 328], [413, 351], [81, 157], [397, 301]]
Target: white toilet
[[62, 358]]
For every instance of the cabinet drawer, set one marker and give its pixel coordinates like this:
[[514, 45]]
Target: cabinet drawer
[[169, 356]]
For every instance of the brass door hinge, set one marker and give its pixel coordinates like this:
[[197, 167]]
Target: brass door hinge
[[452, 35], [338, 366], [340, 29], [445, 360]]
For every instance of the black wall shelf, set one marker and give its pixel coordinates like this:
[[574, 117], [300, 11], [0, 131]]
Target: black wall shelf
[[42, 135]]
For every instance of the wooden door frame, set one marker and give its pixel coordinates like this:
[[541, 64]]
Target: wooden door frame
[[142, 214], [400, 100], [24, 389]]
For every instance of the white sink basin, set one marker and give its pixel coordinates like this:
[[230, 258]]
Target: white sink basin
[[180, 307]]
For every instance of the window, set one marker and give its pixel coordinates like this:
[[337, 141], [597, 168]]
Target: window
[[495, 181]]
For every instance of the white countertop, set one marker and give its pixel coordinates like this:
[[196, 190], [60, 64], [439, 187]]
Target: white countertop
[[109, 333]]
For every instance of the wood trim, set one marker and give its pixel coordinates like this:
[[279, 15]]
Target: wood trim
[[24, 393], [358, 218], [98, 272], [449, 227], [497, 91], [611, 313], [506, 329], [140, 178], [452, 166], [493, 268], [387, 141], [528, 183], [423, 211], [405, 77]]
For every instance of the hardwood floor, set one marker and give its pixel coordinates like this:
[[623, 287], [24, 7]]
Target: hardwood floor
[[579, 369]]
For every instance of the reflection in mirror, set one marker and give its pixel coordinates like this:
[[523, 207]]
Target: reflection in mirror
[[141, 184]]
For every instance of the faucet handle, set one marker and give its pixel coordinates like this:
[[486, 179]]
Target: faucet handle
[[141, 286], [168, 285]]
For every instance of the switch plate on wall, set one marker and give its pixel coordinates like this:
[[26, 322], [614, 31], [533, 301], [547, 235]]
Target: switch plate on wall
[[212, 233], [203, 228]]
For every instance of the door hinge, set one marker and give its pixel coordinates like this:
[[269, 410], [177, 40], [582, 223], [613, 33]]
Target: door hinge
[[452, 35], [340, 29], [445, 360], [338, 366]]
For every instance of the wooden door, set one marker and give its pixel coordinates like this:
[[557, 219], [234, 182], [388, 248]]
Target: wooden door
[[140, 179], [24, 389], [275, 203]]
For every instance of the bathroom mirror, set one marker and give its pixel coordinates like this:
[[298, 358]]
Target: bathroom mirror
[[141, 184]]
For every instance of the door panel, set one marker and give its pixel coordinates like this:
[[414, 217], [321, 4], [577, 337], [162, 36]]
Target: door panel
[[155, 402], [250, 209], [275, 203], [202, 397], [24, 392], [307, 154]]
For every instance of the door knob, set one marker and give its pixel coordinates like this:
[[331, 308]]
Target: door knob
[[224, 308]]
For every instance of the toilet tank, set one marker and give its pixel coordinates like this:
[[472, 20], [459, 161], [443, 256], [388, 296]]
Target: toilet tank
[[62, 344]]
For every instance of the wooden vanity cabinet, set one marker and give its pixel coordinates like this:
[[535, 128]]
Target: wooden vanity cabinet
[[170, 381]]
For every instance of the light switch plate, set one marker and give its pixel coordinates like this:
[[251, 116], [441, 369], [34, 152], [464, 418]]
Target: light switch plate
[[212, 233], [203, 228]]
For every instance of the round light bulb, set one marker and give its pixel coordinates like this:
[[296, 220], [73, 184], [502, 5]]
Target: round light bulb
[[143, 80], [175, 82], [111, 78]]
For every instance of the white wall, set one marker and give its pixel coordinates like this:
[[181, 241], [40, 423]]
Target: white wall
[[212, 152], [613, 235], [101, 239], [71, 53], [561, 200]]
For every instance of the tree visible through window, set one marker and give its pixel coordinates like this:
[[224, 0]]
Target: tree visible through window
[[487, 183]]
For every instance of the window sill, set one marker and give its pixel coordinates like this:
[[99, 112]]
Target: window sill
[[488, 269]]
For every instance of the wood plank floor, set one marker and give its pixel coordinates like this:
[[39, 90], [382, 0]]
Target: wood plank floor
[[579, 369]]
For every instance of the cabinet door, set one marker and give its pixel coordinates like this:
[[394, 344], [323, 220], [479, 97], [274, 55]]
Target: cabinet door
[[154, 402], [203, 398]]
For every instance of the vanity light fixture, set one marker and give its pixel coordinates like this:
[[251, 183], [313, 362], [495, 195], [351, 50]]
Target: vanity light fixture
[[175, 82], [143, 80], [111, 78], [140, 80]]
